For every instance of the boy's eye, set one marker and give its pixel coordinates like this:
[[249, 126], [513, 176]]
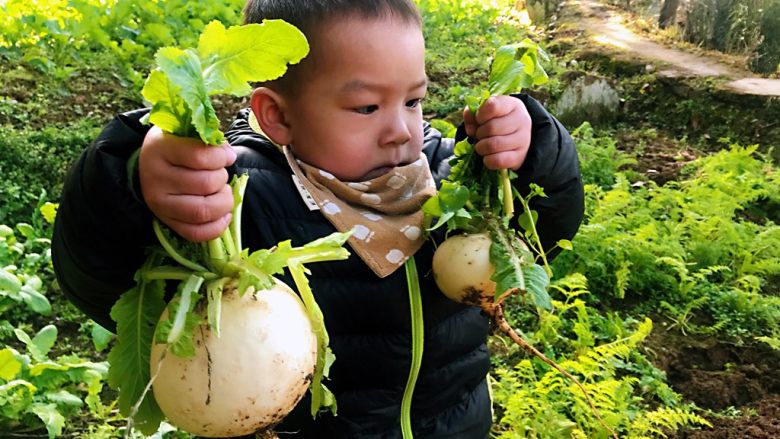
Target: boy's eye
[[368, 109], [414, 102]]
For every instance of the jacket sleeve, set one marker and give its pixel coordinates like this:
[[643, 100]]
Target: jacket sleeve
[[552, 163], [102, 228]]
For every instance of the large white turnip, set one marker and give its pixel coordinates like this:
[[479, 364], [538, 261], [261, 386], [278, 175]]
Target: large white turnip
[[220, 364], [249, 377]]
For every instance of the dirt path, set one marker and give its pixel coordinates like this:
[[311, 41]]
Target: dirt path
[[605, 26]]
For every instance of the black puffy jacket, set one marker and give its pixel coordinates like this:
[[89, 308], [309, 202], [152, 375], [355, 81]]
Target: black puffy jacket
[[103, 227]]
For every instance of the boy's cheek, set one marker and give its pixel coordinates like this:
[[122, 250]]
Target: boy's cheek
[[418, 139]]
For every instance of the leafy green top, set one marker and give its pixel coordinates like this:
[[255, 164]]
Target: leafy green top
[[475, 199], [179, 90], [225, 61]]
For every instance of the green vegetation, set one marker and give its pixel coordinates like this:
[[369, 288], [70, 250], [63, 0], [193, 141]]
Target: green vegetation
[[33, 161], [695, 255]]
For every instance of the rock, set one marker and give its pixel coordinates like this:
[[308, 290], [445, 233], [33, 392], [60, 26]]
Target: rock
[[588, 98]]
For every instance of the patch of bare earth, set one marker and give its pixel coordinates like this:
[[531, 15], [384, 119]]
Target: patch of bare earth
[[718, 375], [660, 159]]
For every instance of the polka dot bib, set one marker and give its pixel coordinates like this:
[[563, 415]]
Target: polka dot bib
[[384, 213]]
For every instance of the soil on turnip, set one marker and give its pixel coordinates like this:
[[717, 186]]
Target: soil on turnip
[[719, 375]]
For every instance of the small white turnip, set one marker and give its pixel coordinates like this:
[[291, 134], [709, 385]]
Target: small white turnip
[[462, 269]]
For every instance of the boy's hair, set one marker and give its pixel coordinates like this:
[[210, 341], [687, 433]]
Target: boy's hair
[[309, 15]]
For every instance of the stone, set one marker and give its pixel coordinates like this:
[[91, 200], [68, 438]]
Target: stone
[[588, 98]]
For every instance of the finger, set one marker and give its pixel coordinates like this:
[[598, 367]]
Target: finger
[[499, 126], [496, 106], [194, 154], [200, 232], [497, 144], [185, 181], [196, 210], [469, 122], [505, 160]]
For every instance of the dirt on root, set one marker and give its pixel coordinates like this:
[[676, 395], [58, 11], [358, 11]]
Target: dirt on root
[[719, 375]]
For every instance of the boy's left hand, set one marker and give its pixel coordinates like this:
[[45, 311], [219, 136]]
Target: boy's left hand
[[502, 129]]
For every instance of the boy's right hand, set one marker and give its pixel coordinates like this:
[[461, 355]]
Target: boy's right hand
[[185, 184]]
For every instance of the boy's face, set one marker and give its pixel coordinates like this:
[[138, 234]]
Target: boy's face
[[358, 113]]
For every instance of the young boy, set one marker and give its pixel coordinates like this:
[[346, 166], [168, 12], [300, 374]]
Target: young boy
[[350, 116]]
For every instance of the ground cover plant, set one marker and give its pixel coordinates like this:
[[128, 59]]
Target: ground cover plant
[[666, 308]]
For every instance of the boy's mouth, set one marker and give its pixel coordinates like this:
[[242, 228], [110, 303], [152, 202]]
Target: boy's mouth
[[382, 170], [377, 172]]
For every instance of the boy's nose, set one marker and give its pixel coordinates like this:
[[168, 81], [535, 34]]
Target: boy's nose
[[396, 130]]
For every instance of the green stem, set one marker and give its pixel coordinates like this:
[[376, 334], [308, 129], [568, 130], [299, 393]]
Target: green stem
[[418, 338], [217, 254], [486, 196], [506, 187], [172, 251], [306, 256], [537, 242], [172, 273], [229, 243], [323, 340], [214, 291], [499, 233], [191, 286], [239, 188]]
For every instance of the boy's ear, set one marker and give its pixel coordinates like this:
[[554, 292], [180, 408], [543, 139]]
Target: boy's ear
[[269, 109]]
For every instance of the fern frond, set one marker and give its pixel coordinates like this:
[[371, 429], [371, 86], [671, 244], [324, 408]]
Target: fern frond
[[658, 422]]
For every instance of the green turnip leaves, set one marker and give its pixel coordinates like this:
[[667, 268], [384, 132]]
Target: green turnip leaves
[[475, 199], [225, 61], [179, 90], [136, 314]]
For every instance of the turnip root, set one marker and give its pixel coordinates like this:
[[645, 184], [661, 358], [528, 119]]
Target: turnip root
[[462, 269], [234, 350], [249, 377], [492, 261]]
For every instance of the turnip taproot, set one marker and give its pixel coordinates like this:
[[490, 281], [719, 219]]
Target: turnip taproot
[[250, 376], [490, 260], [462, 269], [241, 359]]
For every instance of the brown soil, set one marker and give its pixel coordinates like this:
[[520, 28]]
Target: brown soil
[[761, 422], [90, 94], [660, 160], [718, 375]]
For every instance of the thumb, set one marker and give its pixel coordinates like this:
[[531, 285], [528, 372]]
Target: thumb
[[469, 122], [230, 154]]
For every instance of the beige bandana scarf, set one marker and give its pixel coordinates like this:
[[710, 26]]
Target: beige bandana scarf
[[384, 213]]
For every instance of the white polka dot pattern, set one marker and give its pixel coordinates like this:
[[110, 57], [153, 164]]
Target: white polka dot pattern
[[395, 256], [331, 208], [371, 199], [384, 214]]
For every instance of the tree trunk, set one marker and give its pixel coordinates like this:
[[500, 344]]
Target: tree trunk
[[668, 13]]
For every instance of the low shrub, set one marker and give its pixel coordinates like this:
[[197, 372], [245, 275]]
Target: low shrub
[[35, 160]]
